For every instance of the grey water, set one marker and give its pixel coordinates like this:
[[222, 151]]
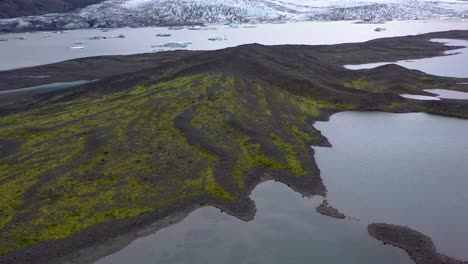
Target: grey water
[[420, 97], [45, 88], [457, 59], [286, 229], [37, 50], [404, 169], [448, 94]]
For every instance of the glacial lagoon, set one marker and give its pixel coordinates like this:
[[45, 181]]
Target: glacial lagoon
[[286, 229], [36, 49]]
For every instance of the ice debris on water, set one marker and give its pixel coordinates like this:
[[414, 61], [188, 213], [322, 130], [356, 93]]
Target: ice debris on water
[[217, 38], [174, 44]]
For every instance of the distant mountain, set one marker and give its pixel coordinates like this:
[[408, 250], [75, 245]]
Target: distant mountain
[[136, 13], [18, 8]]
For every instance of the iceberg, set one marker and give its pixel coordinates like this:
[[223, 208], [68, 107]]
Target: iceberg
[[232, 26], [176, 28], [175, 44], [217, 38]]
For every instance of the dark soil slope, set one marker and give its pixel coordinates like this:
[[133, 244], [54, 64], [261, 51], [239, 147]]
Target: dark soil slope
[[17, 8]]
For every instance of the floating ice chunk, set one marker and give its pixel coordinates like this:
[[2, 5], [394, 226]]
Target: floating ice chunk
[[176, 28], [217, 38], [163, 35], [175, 44], [120, 36], [202, 28], [232, 26], [379, 29], [97, 38], [3, 39], [76, 47]]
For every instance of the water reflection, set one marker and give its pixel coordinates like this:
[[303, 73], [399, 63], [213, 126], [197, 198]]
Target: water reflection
[[404, 169], [286, 229]]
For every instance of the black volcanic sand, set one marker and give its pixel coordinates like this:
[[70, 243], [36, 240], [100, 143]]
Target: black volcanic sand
[[418, 246], [161, 134], [326, 209]]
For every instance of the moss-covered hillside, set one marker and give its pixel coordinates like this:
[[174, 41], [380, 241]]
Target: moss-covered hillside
[[202, 129]]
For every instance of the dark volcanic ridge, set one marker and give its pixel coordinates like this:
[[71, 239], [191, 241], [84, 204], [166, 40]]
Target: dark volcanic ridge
[[326, 209], [163, 133], [419, 247]]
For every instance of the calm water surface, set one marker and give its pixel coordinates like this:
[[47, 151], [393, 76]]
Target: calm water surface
[[44, 88], [405, 169], [37, 50], [436, 65], [448, 94], [286, 229]]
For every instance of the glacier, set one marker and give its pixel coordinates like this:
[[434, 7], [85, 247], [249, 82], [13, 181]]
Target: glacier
[[140, 13]]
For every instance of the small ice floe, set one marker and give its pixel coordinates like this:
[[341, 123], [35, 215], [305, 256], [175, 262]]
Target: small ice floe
[[46, 36], [120, 36], [232, 26], [79, 43], [371, 21], [163, 35], [249, 26], [3, 39], [58, 32], [97, 38], [174, 44], [106, 30], [202, 28], [217, 38], [379, 29], [176, 28], [76, 47], [21, 38]]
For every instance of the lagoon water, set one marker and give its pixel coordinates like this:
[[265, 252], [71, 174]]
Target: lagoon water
[[286, 229], [405, 169], [448, 94], [44, 88], [435, 65], [38, 50]]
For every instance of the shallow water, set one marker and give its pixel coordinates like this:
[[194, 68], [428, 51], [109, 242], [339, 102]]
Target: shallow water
[[37, 50], [44, 88], [405, 169], [286, 229], [448, 94], [458, 62], [419, 97]]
